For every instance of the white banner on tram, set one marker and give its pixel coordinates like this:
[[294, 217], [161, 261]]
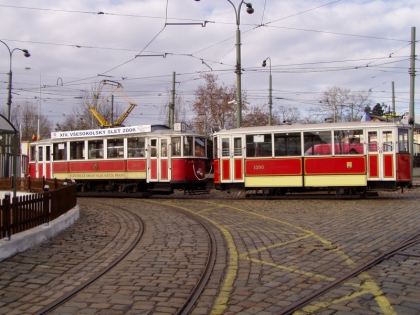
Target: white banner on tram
[[100, 132]]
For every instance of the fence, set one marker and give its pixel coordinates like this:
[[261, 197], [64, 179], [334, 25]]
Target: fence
[[25, 212]]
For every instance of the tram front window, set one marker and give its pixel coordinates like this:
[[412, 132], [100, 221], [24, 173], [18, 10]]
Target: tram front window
[[403, 141], [188, 145], [176, 146], [200, 146]]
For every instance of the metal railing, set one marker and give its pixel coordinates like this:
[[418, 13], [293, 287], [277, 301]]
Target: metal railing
[[26, 212]]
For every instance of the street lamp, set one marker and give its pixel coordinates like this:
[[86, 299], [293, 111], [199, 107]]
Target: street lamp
[[38, 136], [9, 100], [249, 10], [9, 87], [270, 89]]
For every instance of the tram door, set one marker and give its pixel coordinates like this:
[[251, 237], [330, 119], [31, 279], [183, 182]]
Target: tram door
[[158, 160], [381, 154], [44, 166], [231, 159]]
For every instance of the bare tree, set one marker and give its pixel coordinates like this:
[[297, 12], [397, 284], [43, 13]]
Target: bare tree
[[342, 104], [287, 114], [216, 102], [24, 117]]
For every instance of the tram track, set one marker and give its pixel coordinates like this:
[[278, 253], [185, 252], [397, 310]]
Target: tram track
[[192, 298], [396, 250], [71, 294]]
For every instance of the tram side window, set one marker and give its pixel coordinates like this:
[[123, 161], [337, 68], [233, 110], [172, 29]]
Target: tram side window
[[60, 151], [287, 144], [33, 153], [135, 147], [403, 141], [47, 153], [200, 146], [96, 149], [317, 142], [77, 150], [176, 146], [115, 148], [348, 141], [259, 145], [153, 149], [40, 151], [188, 145]]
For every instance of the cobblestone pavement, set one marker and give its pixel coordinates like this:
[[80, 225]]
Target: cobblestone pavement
[[271, 253]]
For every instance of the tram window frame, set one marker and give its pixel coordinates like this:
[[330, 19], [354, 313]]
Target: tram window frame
[[403, 143], [176, 146], [33, 154], [74, 147], [115, 148], [60, 154], [200, 146], [153, 147], [47, 153], [40, 153], [316, 138], [96, 149], [288, 141], [136, 147], [257, 148], [188, 146], [348, 141]]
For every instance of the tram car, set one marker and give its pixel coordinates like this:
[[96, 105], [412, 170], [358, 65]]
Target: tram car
[[348, 158], [152, 159]]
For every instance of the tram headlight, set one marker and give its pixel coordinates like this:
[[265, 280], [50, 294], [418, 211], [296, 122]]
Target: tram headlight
[[199, 172]]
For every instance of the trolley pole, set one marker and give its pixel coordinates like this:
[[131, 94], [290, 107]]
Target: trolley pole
[[412, 81]]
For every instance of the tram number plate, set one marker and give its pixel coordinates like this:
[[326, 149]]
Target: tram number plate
[[258, 167]]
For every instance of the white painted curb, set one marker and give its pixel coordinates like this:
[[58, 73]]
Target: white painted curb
[[22, 241]]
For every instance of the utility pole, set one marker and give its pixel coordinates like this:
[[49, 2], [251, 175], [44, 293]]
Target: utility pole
[[393, 102], [112, 109], [171, 113], [412, 77]]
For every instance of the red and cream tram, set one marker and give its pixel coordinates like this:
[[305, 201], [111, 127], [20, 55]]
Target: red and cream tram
[[349, 157], [150, 158]]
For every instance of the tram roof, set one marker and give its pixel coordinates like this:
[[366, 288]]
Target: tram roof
[[110, 133], [306, 127]]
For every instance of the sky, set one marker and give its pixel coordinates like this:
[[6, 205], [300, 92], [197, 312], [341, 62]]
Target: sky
[[312, 45]]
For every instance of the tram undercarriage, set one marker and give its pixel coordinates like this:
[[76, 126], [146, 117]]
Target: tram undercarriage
[[139, 186]]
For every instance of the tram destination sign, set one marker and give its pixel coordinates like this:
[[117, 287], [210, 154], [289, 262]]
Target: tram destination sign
[[100, 132]]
